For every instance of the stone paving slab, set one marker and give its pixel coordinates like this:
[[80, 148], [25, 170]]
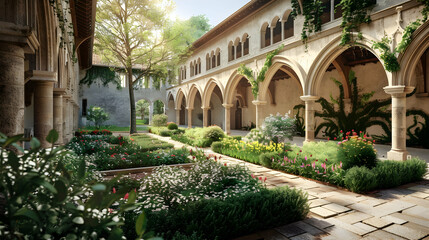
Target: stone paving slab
[[417, 211], [336, 208], [308, 228], [354, 217], [382, 235], [318, 223], [416, 220], [323, 212], [304, 236], [318, 202], [336, 233], [405, 232], [290, 230], [378, 222], [394, 219]]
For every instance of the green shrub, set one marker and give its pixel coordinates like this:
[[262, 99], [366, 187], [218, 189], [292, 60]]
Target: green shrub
[[266, 159], [157, 130], [217, 147], [159, 120], [97, 115], [214, 133], [356, 152], [233, 217], [178, 131], [360, 179], [394, 173], [165, 133], [172, 126], [278, 128]]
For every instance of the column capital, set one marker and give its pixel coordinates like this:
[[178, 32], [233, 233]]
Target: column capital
[[258, 102], [177, 109], [227, 106], [398, 91], [59, 91], [41, 76], [306, 98], [205, 108]]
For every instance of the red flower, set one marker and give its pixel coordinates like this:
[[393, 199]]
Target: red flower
[[126, 196], [373, 141], [265, 179], [114, 190], [335, 138], [224, 164]]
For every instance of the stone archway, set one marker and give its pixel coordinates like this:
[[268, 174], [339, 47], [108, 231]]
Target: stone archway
[[213, 96], [194, 107]]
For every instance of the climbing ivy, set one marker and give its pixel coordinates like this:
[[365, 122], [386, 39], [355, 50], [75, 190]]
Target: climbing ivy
[[312, 11], [61, 9], [103, 75], [250, 75], [388, 56], [355, 12]]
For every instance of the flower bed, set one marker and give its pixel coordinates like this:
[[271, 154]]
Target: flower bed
[[99, 152], [330, 162], [213, 200]]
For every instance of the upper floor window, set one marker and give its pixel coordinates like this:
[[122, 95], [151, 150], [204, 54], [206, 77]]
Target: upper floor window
[[288, 25], [245, 44], [265, 35], [277, 30], [231, 52], [217, 57]]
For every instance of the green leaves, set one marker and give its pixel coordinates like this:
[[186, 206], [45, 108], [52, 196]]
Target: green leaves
[[141, 224], [25, 212], [52, 136]]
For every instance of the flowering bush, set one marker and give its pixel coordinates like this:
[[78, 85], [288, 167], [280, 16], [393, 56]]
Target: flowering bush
[[278, 128], [248, 151], [159, 120], [357, 150]]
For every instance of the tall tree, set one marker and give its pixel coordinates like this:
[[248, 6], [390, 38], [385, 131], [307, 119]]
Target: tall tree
[[136, 34]]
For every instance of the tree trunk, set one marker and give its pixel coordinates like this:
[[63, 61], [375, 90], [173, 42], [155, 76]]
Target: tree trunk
[[133, 126]]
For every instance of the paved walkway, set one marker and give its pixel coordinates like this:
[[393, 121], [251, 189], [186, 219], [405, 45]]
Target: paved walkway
[[399, 213]]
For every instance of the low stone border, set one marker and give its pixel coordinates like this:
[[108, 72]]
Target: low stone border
[[146, 170]]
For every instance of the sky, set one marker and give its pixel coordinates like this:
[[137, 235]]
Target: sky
[[215, 10]]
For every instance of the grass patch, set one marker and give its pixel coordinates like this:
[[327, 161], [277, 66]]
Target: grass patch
[[141, 122], [148, 143]]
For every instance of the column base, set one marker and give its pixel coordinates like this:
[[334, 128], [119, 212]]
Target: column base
[[397, 155]]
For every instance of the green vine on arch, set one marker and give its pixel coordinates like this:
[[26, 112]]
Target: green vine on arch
[[260, 77], [389, 57], [312, 11], [355, 12], [103, 75]]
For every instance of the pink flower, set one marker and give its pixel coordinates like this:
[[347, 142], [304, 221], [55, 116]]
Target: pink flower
[[305, 158], [253, 176], [313, 165], [126, 196], [332, 168], [114, 190], [341, 164]]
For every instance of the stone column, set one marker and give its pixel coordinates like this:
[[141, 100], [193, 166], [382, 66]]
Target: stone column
[[43, 111], [205, 116], [272, 35], [309, 117], [65, 118], [58, 113], [227, 117], [283, 29], [178, 116], [150, 112], [11, 89], [70, 118], [189, 117], [259, 112], [399, 122]]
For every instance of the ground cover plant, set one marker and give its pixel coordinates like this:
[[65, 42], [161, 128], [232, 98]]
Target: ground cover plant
[[343, 163], [213, 201], [42, 199], [200, 137], [106, 152], [165, 131]]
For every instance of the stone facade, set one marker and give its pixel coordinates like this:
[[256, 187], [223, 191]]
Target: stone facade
[[38, 76], [299, 75]]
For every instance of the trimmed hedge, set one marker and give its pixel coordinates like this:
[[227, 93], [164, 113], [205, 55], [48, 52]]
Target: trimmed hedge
[[200, 137], [226, 219]]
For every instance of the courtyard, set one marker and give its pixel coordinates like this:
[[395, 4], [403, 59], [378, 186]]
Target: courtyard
[[249, 120]]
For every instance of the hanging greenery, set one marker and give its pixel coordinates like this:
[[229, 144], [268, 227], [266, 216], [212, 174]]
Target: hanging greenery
[[299, 119], [312, 11], [355, 12], [62, 9], [101, 75], [389, 58], [250, 75]]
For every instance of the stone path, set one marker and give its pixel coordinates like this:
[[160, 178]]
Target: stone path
[[398, 213]]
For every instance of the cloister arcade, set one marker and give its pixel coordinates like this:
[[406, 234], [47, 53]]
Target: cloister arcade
[[302, 74]]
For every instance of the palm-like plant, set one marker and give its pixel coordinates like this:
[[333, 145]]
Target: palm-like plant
[[364, 113], [418, 132], [260, 76]]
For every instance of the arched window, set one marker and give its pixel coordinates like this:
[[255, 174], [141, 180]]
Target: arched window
[[231, 52], [191, 67], [199, 65], [196, 68], [277, 31], [238, 48], [218, 57], [265, 35], [245, 44], [208, 62], [288, 25]]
